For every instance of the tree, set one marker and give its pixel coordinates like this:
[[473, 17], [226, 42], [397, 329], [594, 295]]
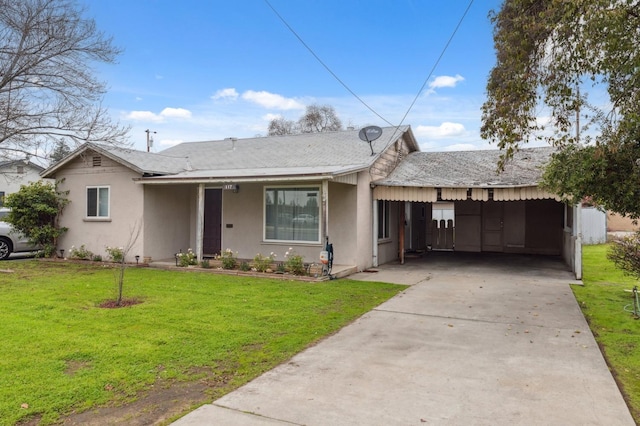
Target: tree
[[60, 151], [608, 174], [35, 209], [315, 119], [319, 119], [134, 234], [551, 53], [281, 126], [47, 88]]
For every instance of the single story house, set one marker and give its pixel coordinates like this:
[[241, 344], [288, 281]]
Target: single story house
[[269, 194], [14, 173]]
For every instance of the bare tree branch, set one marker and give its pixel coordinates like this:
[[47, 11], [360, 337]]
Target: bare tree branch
[[48, 90]]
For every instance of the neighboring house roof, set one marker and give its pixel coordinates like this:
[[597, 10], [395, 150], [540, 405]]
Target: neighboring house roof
[[469, 169], [145, 163], [34, 166], [310, 154]]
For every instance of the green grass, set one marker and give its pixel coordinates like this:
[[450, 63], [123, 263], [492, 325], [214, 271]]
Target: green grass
[[62, 353], [602, 299]]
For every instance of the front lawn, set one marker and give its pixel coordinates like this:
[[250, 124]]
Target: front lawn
[[602, 299], [61, 353]]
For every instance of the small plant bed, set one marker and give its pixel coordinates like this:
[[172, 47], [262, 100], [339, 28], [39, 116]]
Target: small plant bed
[[195, 337], [602, 299], [292, 265]]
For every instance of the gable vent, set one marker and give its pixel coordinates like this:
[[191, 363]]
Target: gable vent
[[97, 161]]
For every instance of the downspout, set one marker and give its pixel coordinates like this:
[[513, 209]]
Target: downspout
[[325, 209], [200, 222], [374, 233], [401, 231]]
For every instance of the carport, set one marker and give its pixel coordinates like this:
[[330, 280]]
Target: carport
[[457, 201]]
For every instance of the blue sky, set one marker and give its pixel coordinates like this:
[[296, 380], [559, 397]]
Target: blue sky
[[203, 70]]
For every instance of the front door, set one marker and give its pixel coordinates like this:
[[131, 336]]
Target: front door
[[212, 238], [492, 226]]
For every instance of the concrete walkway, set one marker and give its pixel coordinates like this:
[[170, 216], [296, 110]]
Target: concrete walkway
[[474, 341]]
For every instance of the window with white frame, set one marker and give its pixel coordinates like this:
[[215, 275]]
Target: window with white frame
[[97, 201], [383, 219], [292, 214]]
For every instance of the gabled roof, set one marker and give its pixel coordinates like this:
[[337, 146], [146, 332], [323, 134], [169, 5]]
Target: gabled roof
[[145, 163], [27, 163], [469, 169], [310, 154]]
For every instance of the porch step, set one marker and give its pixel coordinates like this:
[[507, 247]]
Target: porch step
[[341, 271]]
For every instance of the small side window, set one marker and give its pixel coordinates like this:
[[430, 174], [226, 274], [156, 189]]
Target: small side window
[[98, 202]]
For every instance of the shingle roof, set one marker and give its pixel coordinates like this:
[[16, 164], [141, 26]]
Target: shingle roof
[[140, 161], [21, 163], [147, 162], [469, 169], [311, 153]]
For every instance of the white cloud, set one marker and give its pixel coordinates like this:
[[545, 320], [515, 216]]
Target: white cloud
[[444, 130], [158, 118], [229, 93], [271, 100], [144, 116], [138, 98], [445, 81], [269, 117], [175, 113]]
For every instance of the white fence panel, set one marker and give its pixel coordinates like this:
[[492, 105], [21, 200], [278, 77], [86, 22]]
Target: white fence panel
[[594, 226]]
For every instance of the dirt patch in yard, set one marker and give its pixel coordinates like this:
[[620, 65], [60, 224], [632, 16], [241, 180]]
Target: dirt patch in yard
[[160, 405], [156, 407]]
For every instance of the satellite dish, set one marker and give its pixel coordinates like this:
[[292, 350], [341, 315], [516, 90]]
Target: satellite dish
[[370, 134]]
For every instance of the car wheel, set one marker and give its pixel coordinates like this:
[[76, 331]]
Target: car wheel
[[5, 248]]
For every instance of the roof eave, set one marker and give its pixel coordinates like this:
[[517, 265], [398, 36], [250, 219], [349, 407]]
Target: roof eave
[[162, 180]]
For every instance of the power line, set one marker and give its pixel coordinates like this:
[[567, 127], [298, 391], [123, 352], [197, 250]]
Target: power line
[[415, 99], [446, 46], [435, 65], [325, 65]]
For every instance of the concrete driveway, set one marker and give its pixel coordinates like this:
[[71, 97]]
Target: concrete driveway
[[475, 340]]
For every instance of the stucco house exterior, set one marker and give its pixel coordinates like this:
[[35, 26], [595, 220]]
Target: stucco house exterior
[[269, 194], [15, 173]]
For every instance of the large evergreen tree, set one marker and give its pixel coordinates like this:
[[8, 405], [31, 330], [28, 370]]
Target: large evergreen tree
[[550, 55]]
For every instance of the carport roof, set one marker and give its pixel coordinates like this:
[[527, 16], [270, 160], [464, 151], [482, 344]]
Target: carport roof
[[469, 169]]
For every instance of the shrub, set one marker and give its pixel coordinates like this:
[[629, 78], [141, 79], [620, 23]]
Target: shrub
[[262, 263], [229, 259], [625, 254], [294, 263], [116, 254], [97, 258], [244, 266], [205, 264], [80, 253], [186, 259], [35, 209]]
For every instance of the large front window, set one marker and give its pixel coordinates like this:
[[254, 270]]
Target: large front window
[[98, 201], [292, 214]]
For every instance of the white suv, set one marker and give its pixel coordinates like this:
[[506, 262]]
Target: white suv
[[10, 240]]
